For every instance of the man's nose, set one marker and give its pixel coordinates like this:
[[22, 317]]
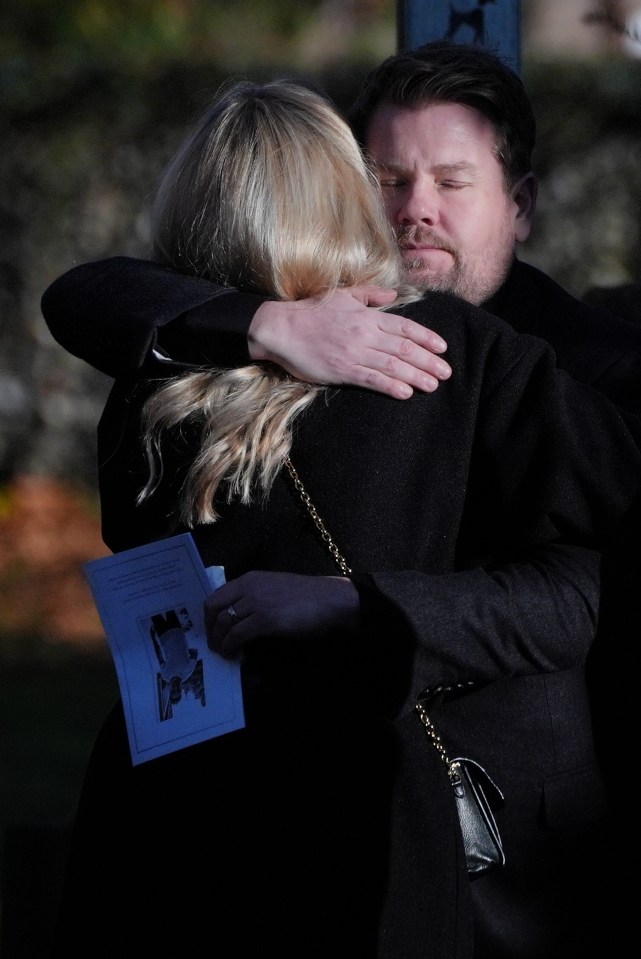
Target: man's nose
[[420, 204]]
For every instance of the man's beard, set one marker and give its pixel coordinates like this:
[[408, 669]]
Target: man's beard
[[416, 271], [413, 235], [474, 279]]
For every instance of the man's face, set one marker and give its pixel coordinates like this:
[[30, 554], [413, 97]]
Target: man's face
[[446, 197]]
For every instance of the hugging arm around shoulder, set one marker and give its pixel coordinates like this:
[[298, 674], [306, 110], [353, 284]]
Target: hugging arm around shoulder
[[122, 313]]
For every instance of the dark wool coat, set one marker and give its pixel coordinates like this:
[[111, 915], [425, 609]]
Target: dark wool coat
[[326, 827], [592, 344]]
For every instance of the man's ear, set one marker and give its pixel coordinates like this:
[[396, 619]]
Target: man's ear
[[524, 194]]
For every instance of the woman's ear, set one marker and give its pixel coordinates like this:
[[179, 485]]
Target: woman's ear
[[524, 194]]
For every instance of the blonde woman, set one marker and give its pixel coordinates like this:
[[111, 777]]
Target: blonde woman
[[366, 544]]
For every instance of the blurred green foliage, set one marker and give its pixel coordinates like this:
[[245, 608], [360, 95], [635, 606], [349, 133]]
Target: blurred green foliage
[[45, 46], [138, 32]]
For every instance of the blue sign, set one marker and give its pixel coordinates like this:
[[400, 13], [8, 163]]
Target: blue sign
[[493, 24]]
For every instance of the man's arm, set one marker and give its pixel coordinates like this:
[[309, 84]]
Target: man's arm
[[538, 615], [111, 313], [121, 313]]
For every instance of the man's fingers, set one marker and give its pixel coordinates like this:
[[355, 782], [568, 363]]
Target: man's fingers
[[343, 339], [396, 379], [412, 332], [408, 354], [371, 295]]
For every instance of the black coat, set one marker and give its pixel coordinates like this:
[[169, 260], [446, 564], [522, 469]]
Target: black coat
[[453, 508], [591, 343]]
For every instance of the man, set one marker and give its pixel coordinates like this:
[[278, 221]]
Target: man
[[472, 122], [456, 180], [94, 314]]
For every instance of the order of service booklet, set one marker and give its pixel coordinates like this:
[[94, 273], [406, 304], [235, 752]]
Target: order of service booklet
[[176, 692]]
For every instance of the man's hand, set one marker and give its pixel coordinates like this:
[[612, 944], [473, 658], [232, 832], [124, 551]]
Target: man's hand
[[261, 605], [344, 339]]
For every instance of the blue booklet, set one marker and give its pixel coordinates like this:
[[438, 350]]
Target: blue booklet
[[176, 692]]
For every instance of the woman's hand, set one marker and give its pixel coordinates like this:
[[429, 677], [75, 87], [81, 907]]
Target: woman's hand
[[260, 605]]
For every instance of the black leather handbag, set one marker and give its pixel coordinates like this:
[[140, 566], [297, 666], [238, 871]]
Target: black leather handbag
[[476, 797]]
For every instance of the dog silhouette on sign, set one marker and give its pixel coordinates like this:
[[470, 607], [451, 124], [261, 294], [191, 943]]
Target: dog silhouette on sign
[[474, 19]]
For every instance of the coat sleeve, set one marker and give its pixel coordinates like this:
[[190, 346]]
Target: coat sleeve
[[553, 469], [120, 313], [479, 625]]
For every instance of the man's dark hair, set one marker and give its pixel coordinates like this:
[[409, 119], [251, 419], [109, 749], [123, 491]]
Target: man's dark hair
[[443, 72]]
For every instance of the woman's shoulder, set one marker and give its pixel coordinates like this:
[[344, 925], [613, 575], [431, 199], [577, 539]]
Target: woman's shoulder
[[470, 328]]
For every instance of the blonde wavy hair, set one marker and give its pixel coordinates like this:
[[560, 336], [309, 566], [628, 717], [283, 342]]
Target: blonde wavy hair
[[270, 194]]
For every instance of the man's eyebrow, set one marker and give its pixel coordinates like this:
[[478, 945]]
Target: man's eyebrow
[[388, 166], [460, 166]]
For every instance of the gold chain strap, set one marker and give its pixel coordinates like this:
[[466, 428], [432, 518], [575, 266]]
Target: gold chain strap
[[431, 732], [345, 570], [320, 526], [452, 768], [436, 741]]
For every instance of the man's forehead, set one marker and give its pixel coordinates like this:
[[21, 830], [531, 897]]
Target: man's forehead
[[443, 114], [456, 135]]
